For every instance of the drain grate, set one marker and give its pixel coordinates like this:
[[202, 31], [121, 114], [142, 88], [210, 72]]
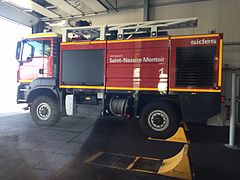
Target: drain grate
[[114, 160], [146, 164], [126, 162]]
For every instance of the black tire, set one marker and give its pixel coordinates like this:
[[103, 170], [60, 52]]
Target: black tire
[[44, 111], [159, 120]]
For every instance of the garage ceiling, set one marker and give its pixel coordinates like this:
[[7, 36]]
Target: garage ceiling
[[51, 10]]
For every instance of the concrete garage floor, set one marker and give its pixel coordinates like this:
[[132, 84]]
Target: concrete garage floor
[[31, 152]]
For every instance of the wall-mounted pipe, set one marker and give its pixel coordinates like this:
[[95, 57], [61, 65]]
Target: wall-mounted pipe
[[233, 110], [146, 10]]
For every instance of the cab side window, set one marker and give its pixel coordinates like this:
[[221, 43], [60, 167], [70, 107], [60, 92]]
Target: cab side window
[[37, 48], [46, 48]]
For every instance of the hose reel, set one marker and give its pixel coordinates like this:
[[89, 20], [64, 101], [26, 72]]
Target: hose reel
[[118, 106]]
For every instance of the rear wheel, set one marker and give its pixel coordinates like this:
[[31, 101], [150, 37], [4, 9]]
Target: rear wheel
[[44, 111], [159, 120]]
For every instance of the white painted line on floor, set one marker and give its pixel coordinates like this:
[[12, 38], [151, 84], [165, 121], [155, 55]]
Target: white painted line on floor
[[12, 114]]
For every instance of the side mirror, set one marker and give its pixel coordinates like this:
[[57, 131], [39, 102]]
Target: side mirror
[[18, 51]]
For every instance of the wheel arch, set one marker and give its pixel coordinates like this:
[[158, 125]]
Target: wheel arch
[[33, 94], [146, 99]]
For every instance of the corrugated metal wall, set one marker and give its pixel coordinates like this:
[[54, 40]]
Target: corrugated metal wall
[[223, 15], [117, 17]]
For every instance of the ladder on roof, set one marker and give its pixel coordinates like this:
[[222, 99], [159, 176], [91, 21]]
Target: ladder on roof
[[126, 30]]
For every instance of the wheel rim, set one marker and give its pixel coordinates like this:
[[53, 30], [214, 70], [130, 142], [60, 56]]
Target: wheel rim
[[43, 111], [158, 120]]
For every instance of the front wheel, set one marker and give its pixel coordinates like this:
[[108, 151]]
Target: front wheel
[[44, 111], [159, 120]]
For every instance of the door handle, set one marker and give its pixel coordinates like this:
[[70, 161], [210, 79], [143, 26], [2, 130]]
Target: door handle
[[40, 71]]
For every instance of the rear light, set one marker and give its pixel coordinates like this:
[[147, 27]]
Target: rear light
[[222, 99]]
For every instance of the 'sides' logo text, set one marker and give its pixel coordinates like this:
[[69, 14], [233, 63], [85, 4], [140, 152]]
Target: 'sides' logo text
[[203, 41]]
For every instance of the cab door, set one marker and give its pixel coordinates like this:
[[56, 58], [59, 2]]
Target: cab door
[[35, 58], [47, 59]]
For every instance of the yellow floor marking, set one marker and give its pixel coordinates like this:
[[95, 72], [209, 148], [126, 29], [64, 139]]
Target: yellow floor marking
[[133, 163], [144, 171], [149, 158], [95, 156]]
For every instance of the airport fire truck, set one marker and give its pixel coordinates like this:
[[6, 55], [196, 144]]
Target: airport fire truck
[[134, 71]]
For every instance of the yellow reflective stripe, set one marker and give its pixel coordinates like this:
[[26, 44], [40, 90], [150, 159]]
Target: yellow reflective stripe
[[41, 35], [195, 36], [81, 87], [84, 42], [24, 81], [220, 64], [194, 90], [137, 40], [108, 88], [130, 89]]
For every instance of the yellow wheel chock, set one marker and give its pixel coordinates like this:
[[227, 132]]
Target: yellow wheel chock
[[177, 166], [179, 137]]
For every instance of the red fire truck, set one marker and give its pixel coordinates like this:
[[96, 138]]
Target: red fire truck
[[135, 71]]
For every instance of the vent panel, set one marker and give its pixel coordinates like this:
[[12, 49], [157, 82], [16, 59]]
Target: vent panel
[[195, 66]]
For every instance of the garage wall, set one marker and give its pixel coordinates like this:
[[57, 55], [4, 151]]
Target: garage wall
[[217, 14]]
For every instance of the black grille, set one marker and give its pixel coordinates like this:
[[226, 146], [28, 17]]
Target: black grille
[[195, 66]]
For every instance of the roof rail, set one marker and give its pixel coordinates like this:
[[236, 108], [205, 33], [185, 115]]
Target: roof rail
[[126, 30]]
